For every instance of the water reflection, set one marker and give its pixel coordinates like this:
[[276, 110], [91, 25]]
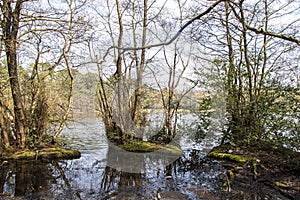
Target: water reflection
[[93, 177], [98, 173], [29, 179], [76, 180], [189, 177]]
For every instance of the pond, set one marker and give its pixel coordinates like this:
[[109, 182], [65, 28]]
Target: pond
[[96, 176]]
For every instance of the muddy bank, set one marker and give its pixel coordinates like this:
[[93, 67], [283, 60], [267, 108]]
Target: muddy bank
[[261, 168]]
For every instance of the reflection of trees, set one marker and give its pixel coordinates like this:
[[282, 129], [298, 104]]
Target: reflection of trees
[[64, 178], [128, 179], [3, 178], [122, 183], [25, 179], [109, 178], [115, 182], [32, 179]]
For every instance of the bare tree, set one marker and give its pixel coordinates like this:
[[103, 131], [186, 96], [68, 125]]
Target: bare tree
[[135, 17], [128, 77]]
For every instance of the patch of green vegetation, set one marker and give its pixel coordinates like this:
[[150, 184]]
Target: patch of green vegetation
[[140, 146], [144, 146], [230, 157], [58, 153], [24, 155]]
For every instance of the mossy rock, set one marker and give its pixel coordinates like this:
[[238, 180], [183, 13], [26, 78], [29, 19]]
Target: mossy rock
[[43, 154]]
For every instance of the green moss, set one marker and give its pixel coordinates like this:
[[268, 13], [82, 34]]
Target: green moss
[[143, 146], [59, 153], [24, 155], [45, 153], [282, 185], [140, 146], [231, 157]]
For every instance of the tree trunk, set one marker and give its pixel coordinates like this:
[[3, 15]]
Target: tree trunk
[[17, 98], [4, 128], [10, 27]]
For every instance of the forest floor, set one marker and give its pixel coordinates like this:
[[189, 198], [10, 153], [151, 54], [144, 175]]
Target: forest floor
[[272, 172]]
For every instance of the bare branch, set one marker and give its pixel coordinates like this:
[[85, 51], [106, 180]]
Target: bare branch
[[188, 23], [265, 32], [269, 33]]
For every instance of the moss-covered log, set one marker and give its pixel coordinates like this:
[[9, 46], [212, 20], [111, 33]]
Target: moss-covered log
[[42, 154]]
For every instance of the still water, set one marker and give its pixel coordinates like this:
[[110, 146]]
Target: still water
[[91, 177]]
